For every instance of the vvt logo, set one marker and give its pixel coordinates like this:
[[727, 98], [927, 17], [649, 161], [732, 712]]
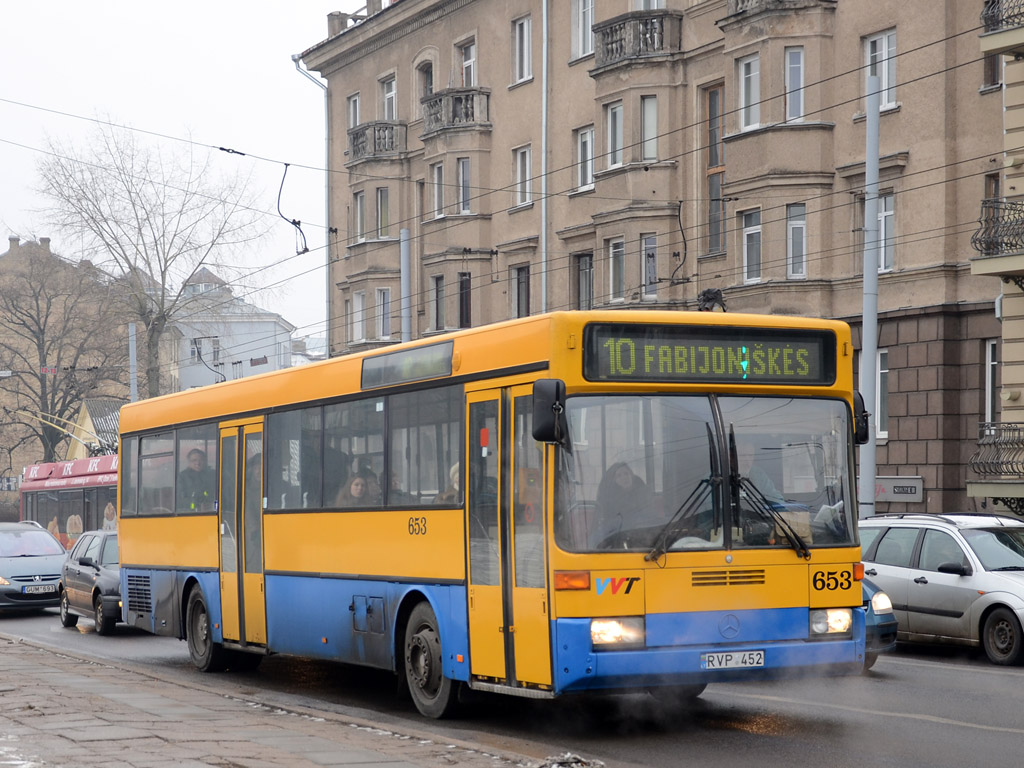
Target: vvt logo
[[616, 584]]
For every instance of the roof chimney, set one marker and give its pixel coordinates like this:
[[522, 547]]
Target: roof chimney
[[45, 243], [12, 243]]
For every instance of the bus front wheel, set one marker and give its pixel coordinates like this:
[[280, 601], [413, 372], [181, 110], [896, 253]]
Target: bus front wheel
[[207, 655], [433, 694]]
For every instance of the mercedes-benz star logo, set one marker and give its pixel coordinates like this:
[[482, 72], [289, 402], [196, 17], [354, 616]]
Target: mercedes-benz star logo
[[729, 626]]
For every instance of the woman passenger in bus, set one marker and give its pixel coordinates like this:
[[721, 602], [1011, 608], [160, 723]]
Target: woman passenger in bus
[[623, 499], [355, 493]]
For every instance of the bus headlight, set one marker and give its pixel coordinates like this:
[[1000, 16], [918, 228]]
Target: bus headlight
[[626, 632], [831, 621]]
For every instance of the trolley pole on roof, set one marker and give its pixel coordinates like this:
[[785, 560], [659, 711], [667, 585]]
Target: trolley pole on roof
[[869, 326]]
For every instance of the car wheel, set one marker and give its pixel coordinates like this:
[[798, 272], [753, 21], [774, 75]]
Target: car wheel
[[1002, 638], [869, 660], [433, 694], [67, 618], [206, 655], [104, 623]]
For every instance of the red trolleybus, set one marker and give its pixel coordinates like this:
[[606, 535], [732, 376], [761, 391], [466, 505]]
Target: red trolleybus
[[68, 497], [578, 501]]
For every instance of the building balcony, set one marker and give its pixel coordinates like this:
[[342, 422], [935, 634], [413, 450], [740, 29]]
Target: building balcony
[[377, 140], [634, 37], [999, 464], [1000, 240], [1003, 21], [456, 108]]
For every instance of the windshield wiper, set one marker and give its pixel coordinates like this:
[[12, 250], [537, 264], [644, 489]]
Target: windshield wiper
[[765, 509], [697, 496], [1008, 568]]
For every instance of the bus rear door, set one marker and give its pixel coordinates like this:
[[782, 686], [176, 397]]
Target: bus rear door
[[509, 620]]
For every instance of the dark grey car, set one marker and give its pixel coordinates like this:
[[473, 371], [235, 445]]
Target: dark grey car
[[90, 583], [30, 562]]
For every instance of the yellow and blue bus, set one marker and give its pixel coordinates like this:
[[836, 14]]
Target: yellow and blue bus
[[571, 502]]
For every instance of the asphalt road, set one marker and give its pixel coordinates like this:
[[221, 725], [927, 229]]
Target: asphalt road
[[919, 706]]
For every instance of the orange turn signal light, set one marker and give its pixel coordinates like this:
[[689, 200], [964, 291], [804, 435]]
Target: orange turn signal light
[[572, 580], [858, 571]]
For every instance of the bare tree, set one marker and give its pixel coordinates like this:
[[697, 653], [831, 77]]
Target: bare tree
[[61, 340], [150, 218]]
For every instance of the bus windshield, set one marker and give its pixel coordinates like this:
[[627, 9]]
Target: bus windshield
[[666, 473]]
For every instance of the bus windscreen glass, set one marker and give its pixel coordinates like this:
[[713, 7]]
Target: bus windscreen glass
[[694, 354]]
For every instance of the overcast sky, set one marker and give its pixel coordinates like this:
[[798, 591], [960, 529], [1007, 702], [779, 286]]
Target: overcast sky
[[218, 72]]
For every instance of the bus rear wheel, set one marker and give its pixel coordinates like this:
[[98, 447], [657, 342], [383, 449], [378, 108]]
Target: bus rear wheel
[[206, 655], [433, 694]]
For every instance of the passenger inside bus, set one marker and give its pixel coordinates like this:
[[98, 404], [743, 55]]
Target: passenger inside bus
[[622, 495], [356, 492], [755, 473], [197, 483]]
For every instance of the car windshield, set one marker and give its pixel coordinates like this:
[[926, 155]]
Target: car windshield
[[32, 542], [997, 547], [677, 472]]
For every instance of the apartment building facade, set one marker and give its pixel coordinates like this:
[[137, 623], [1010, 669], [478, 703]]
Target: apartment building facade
[[549, 155]]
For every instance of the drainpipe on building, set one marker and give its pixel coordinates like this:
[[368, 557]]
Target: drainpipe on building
[[544, 162]]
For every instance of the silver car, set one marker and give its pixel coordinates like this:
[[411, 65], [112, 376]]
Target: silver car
[[30, 562], [951, 578]]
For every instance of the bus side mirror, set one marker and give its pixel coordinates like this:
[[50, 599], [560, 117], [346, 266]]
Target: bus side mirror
[[549, 423], [860, 419]]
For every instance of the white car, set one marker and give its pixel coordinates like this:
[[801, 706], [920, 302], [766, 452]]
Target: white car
[[951, 578]]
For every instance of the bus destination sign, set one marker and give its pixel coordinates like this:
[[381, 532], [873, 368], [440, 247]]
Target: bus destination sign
[[714, 354]]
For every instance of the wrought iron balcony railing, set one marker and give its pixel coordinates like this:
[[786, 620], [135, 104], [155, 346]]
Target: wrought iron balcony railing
[[380, 139], [637, 35], [1001, 229], [456, 108], [1000, 451], [1002, 14]]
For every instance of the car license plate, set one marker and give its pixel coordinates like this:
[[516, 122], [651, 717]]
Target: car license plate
[[36, 589], [732, 660]]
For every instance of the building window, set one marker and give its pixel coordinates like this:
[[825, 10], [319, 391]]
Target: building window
[[353, 110], [522, 291], [383, 313], [462, 173], [215, 349], [582, 28], [882, 395], [649, 5], [389, 100], [467, 56], [437, 189], [426, 77], [993, 186], [522, 65], [617, 269], [649, 126], [796, 241], [886, 232], [794, 84], [437, 299], [649, 264], [614, 120], [465, 300], [359, 216], [715, 170], [383, 214], [585, 157], [358, 316], [749, 76], [751, 246], [880, 53], [521, 158], [991, 380], [585, 281]]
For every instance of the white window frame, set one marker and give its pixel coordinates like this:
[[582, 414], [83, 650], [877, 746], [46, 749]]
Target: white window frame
[[383, 213], [585, 281], [358, 316], [617, 269], [521, 157], [751, 225], [585, 157], [748, 77], [796, 241], [613, 123], [462, 180], [882, 394], [991, 414], [353, 110], [649, 5], [794, 62], [649, 266], [467, 58], [523, 288], [437, 189], [886, 232], [582, 28], [522, 56], [649, 127], [383, 313], [389, 99], [359, 215], [437, 300], [880, 60]]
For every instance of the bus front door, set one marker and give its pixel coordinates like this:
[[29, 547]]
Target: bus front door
[[509, 620], [243, 606]]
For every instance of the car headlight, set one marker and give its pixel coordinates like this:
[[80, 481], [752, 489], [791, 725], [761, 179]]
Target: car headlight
[[4, 582], [622, 632], [831, 621], [880, 603]]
